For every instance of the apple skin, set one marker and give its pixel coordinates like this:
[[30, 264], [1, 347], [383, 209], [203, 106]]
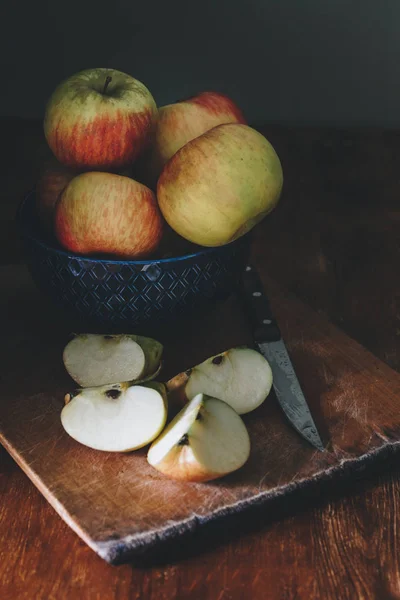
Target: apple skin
[[53, 179], [173, 245], [103, 213], [220, 185], [181, 464], [204, 429], [183, 121], [89, 127]]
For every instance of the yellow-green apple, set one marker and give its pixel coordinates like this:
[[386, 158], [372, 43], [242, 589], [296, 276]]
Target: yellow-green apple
[[172, 244], [183, 121], [103, 213], [219, 185], [53, 179], [99, 119]]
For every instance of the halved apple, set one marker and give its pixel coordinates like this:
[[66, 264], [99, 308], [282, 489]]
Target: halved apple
[[206, 440], [241, 377], [95, 360], [116, 418]]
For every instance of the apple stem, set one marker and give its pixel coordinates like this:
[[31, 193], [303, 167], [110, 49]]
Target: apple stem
[[107, 83]]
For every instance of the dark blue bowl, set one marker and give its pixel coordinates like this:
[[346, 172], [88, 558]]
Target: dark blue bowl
[[99, 294]]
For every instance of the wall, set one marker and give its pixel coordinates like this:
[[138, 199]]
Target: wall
[[293, 61]]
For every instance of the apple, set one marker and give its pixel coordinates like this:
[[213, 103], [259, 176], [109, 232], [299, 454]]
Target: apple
[[116, 418], [173, 245], [241, 377], [108, 214], [53, 179], [183, 121], [97, 359], [220, 185], [206, 440], [99, 119]]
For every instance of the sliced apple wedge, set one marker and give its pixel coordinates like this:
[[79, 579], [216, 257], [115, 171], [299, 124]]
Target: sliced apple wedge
[[153, 351], [116, 418], [206, 440], [241, 377], [95, 360]]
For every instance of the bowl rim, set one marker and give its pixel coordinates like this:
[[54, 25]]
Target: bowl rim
[[71, 255]]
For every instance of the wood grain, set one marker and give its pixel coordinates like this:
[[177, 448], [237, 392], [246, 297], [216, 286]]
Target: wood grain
[[116, 502], [292, 558], [340, 185]]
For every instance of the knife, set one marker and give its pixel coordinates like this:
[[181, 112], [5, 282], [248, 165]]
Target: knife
[[268, 340]]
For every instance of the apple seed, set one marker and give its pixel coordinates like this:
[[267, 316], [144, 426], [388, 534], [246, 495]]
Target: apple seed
[[114, 394], [217, 360], [184, 441]]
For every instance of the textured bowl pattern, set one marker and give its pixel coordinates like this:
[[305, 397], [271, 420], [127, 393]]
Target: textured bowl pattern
[[128, 294]]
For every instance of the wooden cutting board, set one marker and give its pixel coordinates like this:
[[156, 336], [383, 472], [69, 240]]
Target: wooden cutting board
[[119, 505]]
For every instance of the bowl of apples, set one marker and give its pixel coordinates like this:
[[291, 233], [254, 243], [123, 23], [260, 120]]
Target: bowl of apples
[[143, 214]]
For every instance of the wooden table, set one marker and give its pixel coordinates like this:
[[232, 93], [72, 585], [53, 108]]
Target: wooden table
[[335, 241]]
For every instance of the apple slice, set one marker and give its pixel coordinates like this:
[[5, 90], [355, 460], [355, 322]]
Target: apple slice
[[241, 377], [152, 351], [95, 360], [206, 440], [116, 418]]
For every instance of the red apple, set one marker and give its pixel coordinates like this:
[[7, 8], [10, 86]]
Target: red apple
[[103, 213], [180, 123], [99, 119], [219, 185], [53, 179]]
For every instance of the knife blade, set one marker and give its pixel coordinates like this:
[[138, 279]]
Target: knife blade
[[268, 339]]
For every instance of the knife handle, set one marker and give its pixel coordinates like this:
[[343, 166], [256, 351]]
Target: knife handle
[[265, 327]]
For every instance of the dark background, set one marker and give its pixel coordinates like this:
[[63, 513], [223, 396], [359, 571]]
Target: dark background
[[291, 61]]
